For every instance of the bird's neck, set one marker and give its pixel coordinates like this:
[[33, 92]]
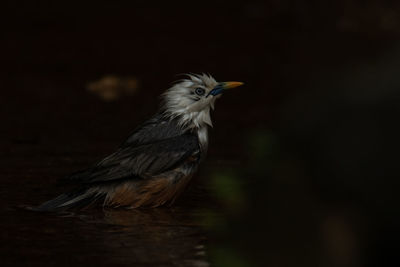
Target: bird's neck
[[199, 122], [202, 134], [190, 118], [194, 121]]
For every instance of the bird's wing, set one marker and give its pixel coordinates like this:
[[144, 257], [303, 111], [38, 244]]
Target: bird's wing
[[156, 128], [141, 161]]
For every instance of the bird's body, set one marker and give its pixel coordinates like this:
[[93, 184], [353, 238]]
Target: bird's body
[[154, 165]]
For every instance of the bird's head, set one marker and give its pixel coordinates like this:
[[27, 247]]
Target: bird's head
[[191, 99]]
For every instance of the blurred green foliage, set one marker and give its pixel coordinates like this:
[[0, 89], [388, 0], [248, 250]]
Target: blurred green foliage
[[226, 257], [228, 188]]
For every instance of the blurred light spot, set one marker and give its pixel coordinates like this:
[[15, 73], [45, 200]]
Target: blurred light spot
[[224, 257], [112, 87], [340, 241], [213, 221], [229, 190]]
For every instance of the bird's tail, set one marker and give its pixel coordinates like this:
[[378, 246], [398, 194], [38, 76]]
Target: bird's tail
[[75, 199]]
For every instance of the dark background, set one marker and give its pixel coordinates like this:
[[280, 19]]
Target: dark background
[[303, 161]]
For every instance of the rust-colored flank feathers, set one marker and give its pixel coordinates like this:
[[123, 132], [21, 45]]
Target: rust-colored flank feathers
[[147, 193]]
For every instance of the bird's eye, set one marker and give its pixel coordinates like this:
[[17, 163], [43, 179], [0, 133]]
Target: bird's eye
[[199, 91]]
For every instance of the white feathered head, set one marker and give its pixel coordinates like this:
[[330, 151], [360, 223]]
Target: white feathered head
[[191, 99]]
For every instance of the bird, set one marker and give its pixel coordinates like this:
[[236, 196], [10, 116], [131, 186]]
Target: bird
[[154, 165]]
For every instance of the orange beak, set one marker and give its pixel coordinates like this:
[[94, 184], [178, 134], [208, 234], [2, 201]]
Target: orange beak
[[229, 85]]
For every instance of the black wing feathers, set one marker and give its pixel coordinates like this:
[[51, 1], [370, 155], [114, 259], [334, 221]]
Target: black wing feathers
[[144, 160], [156, 128]]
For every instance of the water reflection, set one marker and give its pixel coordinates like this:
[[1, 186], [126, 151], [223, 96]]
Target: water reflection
[[140, 237], [153, 235]]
